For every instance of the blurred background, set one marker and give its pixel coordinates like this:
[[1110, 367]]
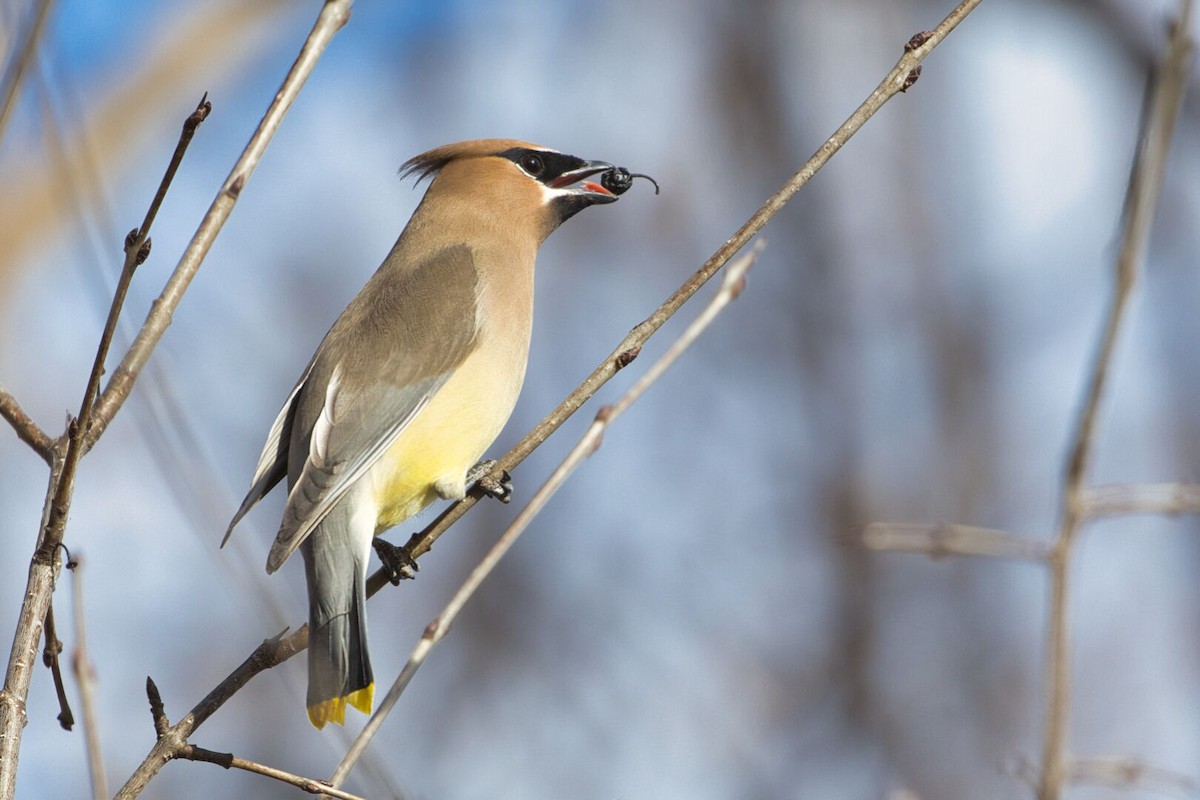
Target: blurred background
[[690, 618]]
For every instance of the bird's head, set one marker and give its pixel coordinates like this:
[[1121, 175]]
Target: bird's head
[[520, 183]]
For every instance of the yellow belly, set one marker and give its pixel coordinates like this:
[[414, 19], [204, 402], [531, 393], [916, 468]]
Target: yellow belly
[[444, 440]]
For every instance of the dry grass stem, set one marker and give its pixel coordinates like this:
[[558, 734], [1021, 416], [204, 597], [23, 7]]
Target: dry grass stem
[[19, 67], [85, 676]]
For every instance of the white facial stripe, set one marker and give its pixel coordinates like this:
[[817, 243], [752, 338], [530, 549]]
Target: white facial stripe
[[548, 194]]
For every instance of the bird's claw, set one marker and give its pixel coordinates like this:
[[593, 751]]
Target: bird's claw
[[396, 560], [499, 487]]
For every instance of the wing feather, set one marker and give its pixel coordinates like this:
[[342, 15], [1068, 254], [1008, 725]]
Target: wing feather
[[391, 350]]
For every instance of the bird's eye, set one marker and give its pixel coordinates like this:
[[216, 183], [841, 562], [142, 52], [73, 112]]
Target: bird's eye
[[532, 163]]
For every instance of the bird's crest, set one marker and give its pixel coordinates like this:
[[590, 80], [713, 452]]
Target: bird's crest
[[432, 161]]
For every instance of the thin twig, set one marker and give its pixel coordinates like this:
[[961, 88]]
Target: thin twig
[[85, 676], [333, 16], [1151, 498], [27, 430], [20, 65], [137, 250], [230, 761], [899, 79], [44, 565], [731, 287], [50, 652], [942, 540], [171, 739], [1145, 183]]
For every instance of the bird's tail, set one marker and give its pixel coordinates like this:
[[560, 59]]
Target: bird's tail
[[339, 668]]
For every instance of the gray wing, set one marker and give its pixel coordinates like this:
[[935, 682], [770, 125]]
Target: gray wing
[[272, 463], [390, 351]]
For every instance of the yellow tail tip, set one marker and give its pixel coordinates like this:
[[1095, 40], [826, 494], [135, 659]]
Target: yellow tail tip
[[334, 709]]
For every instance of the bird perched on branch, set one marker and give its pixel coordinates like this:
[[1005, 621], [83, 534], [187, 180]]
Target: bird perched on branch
[[412, 383]]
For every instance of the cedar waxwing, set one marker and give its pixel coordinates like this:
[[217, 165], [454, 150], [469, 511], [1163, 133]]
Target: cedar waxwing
[[412, 384]]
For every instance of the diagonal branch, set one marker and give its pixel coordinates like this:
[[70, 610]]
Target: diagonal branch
[[137, 250], [333, 16], [43, 568], [101, 409], [899, 79]]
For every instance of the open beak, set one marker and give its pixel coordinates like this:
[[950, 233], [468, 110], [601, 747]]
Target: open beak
[[594, 192]]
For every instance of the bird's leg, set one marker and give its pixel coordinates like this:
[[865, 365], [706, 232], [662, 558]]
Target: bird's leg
[[396, 560], [500, 488]]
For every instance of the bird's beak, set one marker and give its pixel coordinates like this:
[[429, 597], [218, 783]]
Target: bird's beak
[[594, 192]]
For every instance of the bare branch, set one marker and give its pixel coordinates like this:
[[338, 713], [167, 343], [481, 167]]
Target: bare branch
[[171, 739], [23, 656], [1145, 184], [1152, 498], [731, 287], [230, 761], [43, 569], [333, 16], [938, 541], [27, 430], [137, 250]]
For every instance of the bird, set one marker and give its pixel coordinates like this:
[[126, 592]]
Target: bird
[[412, 383]]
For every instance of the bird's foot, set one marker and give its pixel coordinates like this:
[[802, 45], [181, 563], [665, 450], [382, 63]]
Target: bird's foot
[[500, 487], [396, 560]]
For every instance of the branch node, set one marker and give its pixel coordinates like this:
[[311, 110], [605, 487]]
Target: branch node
[[235, 186], [203, 109], [627, 357], [143, 253], [911, 78], [917, 40]]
